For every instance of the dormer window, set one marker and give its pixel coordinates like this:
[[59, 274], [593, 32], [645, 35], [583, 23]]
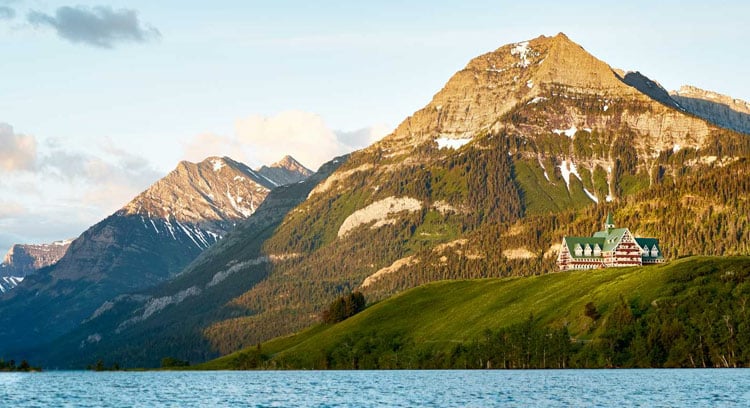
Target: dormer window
[[578, 250], [645, 250], [654, 251], [597, 250], [587, 251]]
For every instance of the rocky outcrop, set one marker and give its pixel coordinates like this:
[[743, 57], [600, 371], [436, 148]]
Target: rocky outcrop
[[24, 259], [722, 110]]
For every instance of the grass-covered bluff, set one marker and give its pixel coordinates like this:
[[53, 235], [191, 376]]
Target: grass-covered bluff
[[688, 313]]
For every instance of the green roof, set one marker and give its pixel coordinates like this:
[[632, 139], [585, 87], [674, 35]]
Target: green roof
[[650, 243], [571, 242], [608, 240]]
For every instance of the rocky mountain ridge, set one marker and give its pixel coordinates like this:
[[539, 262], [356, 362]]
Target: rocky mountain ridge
[[723, 110], [149, 240], [23, 259]]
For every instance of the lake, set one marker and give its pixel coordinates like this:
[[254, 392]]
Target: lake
[[589, 388]]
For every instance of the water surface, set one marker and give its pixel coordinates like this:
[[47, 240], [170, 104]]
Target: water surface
[[590, 388]]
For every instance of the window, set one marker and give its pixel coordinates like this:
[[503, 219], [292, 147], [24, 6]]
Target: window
[[645, 250], [587, 251], [578, 250], [654, 251], [597, 250]]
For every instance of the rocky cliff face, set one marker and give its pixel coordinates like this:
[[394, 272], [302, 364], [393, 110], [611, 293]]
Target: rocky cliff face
[[149, 240], [24, 259], [720, 109], [476, 98]]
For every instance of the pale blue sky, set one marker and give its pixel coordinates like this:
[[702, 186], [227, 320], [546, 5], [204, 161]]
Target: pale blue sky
[[139, 107]]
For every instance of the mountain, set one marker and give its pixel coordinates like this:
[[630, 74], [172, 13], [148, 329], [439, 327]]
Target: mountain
[[526, 144], [24, 259], [147, 241], [660, 316], [122, 328], [720, 109], [285, 171]]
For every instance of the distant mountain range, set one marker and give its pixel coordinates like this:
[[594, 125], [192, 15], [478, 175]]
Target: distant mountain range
[[149, 240], [24, 259], [528, 143]]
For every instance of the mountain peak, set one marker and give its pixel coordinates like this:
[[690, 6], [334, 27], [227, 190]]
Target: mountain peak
[[285, 171], [290, 163], [494, 83], [217, 189]]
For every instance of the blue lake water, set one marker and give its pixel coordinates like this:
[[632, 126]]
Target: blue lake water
[[580, 388]]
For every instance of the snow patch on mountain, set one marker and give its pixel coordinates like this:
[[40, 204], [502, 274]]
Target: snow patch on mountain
[[570, 132], [566, 169], [591, 196], [522, 51], [381, 212], [218, 164], [9, 282], [444, 142]]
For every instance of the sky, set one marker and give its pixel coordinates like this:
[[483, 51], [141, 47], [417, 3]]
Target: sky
[[100, 99]]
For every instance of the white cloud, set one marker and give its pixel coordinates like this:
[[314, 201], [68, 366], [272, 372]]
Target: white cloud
[[264, 139], [107, 180], [17, 152], [63, 190]]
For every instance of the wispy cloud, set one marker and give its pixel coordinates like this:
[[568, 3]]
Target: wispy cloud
[[7, 13], [17, 152], [62, 189], [99, 26], [261, 139]]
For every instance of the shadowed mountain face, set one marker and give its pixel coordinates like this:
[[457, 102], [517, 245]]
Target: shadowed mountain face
[[122, 328], [720, 109], [649, 87], [24, 259], [149, 240], [527, 143]]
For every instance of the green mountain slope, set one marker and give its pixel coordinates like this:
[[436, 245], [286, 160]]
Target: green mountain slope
[[689, 312]]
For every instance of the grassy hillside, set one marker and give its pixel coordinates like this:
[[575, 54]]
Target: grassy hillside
[[452, 323]]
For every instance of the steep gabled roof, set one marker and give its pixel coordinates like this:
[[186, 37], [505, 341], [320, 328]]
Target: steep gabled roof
[[650, 242], [571, 243], [611, 237]]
